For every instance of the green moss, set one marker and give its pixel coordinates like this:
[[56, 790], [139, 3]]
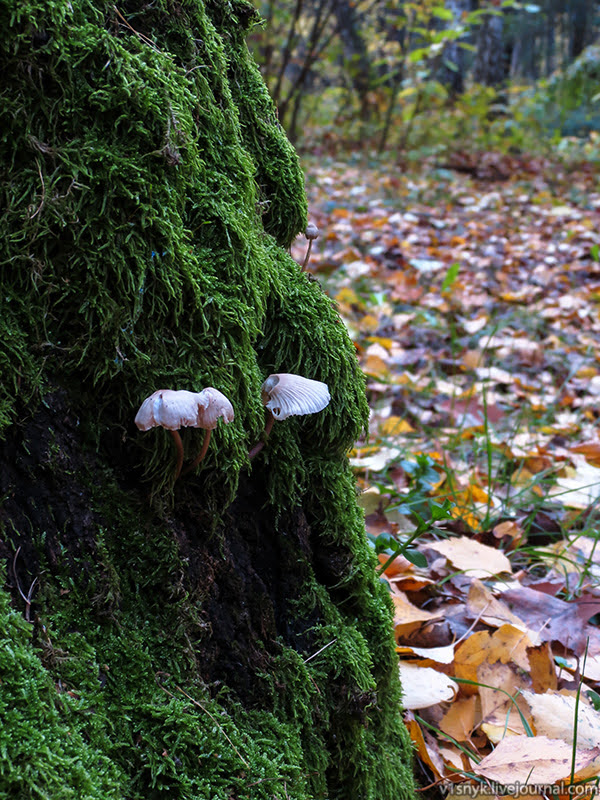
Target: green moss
[[148, 194], [42, 751]]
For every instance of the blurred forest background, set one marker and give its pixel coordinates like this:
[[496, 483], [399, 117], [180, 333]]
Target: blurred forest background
[[451, 150], [425, 78]]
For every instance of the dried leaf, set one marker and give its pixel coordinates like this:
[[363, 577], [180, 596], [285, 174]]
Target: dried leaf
[[423, 687], [473, 558]]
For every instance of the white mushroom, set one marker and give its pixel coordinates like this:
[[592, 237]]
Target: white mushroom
[[172, 410], [285, 395], [212, 407], [311, 233]]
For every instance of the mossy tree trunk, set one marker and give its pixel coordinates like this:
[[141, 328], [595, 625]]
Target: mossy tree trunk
[[222, 637]]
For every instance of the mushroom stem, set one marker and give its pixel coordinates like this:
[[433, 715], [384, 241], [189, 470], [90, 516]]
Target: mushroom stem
[[179, 448], [259, 445], [307, 256], [200, 455]]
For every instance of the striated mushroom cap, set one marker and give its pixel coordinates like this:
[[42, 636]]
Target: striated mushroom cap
[[213, 406], [288, 395], [172, 409]]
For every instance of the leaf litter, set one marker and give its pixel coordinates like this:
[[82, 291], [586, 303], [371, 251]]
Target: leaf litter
[[475, 312]]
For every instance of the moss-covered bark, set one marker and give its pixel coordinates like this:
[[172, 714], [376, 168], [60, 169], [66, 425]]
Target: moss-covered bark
[[159, 640]]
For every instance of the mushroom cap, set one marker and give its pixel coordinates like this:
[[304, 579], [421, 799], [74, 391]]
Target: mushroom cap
[[311, 232], [212, 407], [172, 409], [288, 395]]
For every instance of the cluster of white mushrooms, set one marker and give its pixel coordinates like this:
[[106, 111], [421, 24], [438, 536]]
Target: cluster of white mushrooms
[[283, 396]]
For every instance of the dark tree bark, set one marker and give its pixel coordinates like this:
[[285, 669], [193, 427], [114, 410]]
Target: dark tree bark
[[224, 636], [451, 71], [550, 23], [356, 57], [581, 14], [490, 67]]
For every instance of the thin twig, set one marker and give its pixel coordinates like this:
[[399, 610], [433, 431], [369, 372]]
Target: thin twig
[[140, 36], [201, 707], [41, 205], [26, 598], [325, 646]]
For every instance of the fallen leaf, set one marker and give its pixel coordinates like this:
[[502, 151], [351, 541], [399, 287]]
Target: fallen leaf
[[554, 717], [554, 619], [461, 718], [407, 617], [483, 605], [531, 761], [473, 558], [423, 687], [426, 746]]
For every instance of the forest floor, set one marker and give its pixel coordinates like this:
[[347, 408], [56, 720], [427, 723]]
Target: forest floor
[[473, 300]]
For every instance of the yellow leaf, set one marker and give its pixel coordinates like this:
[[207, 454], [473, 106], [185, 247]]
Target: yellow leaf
[[466, 515], [468, 657], [370, 500], [428, 750], [477, 494], [394, 426], [407, 617], [382, 340], [586, 372], [376, 366], [369, 323], [483, 605], [461, 718], [496, 705], [472, 359]]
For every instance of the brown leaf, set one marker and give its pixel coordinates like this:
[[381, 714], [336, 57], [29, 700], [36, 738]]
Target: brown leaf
[[542, 667], [552, 618]]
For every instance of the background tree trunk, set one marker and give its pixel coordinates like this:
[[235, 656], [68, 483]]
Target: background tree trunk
[[451, 71], [356, 56], [490, 66], [224, 637]]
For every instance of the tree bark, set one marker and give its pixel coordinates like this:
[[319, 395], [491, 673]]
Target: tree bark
[[451, 72], [224, 636], [356, 56], [490, 68]]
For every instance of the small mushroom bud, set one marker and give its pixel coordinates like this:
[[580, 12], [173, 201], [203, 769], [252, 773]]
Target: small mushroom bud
[[311, 233], [172, 410], [285, 395]]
